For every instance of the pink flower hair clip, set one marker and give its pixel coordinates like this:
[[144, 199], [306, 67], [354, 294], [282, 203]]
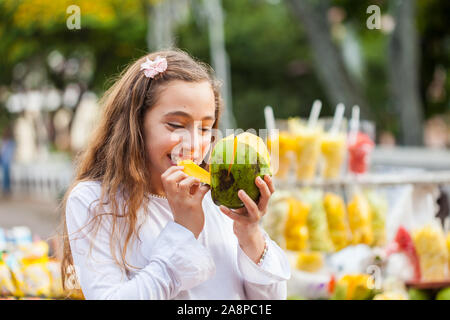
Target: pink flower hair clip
[[152, 68]]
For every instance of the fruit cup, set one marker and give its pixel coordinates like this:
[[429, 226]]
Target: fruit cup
[[285, 143], [307, 151], [360, 146], [333, 150], [284, 153]]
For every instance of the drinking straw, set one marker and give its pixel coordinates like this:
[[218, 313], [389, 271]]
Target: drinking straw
[[354, 123], [270, 120], [314, 115], [337, 119]]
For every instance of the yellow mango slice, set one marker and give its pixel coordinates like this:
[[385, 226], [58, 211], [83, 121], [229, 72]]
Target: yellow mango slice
[[193, 170]]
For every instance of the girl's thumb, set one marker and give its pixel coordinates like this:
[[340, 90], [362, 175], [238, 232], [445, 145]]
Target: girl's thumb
[[204, 188]]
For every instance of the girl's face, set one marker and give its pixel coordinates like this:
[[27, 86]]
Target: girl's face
[[179, 125]]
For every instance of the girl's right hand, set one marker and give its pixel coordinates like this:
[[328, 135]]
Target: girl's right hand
[[185, 195]]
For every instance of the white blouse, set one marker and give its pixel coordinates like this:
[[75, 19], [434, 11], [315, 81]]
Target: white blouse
[[168, 261]]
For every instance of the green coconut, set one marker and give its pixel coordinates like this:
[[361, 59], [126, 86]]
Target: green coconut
[[235, 163]]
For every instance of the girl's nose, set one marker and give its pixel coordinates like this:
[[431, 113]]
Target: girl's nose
[[191, 144], [195, 144]]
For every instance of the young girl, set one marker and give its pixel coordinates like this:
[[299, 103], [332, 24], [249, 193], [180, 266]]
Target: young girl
[[136, 226]]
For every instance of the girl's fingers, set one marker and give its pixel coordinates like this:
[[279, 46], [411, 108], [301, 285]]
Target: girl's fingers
[[171, 170], [170, 182], [176, 177], [201, 191], [252, 207], [265, 193], [269, 181], [233, 215], [242, 211], [186, 184]]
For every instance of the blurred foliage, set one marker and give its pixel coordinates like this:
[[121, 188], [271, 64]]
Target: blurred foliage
[[31, 29], [270, 58], [434, 28]]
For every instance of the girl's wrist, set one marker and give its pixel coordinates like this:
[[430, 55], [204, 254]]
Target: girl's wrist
[[247, 234], [253, 245]]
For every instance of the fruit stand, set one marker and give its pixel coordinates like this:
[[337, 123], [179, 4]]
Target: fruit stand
[[349, 232], [336, 237], [29, 269]]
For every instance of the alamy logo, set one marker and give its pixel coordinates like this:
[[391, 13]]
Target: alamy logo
[[74, 20], [374, 20], [374, 282], [186, 142]]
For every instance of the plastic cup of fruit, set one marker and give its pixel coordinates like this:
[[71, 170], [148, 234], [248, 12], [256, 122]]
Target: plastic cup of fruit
[[360, 148], [282, 155], [307, 151], [333, 150]]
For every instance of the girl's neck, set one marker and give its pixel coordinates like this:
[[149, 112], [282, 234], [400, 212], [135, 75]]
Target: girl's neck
[[156, 186]]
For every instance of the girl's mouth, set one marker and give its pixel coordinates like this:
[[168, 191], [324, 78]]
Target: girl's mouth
[[174, 160]]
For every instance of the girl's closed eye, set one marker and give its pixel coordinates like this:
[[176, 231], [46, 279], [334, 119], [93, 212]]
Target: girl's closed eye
[[179, 126], [175, 125], [205, 129]]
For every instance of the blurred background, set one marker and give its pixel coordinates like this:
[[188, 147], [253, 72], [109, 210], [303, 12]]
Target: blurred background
[[389, 57]]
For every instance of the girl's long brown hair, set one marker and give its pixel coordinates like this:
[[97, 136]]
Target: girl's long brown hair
[[116, 156]]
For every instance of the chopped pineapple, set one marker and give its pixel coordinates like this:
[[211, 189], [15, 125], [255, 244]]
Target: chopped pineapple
[[310, 261], [337, 220], [359, 216], [296, 230], [433, 255]]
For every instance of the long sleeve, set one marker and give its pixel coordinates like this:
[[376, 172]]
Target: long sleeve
[[177, 261], [269, 280]]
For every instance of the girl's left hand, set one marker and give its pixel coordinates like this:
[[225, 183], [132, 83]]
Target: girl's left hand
[[246, 219]]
